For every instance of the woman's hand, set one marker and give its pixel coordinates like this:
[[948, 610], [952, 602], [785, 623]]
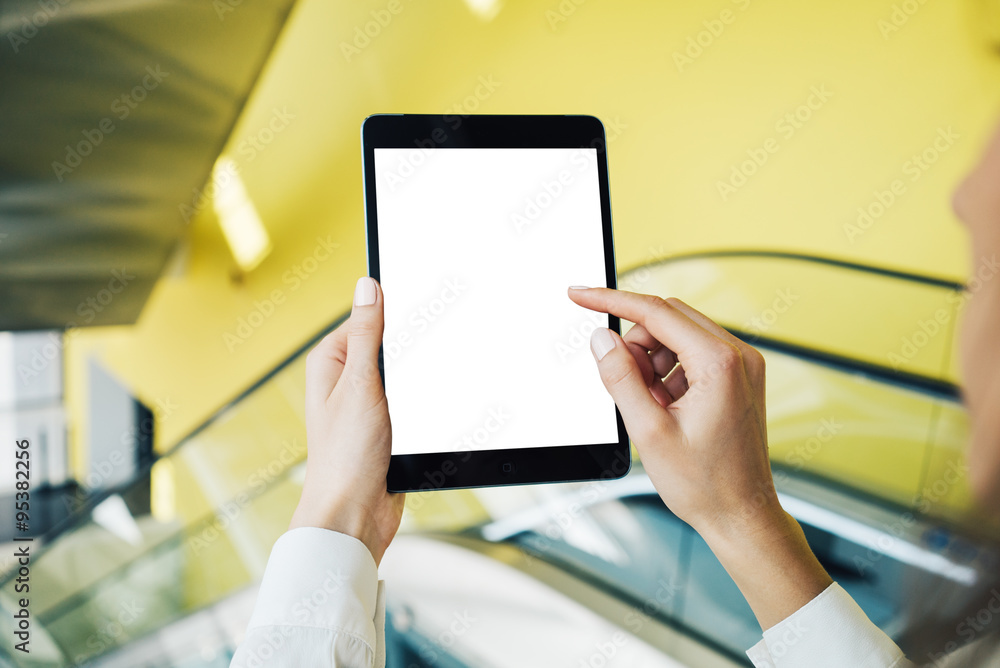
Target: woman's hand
[[348, 431], [701, 432], [702, 437]]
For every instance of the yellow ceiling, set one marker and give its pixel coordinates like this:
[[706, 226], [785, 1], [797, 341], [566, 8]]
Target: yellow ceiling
[[678, 128]]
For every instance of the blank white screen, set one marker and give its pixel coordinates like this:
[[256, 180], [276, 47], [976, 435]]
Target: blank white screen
[[483, 349]]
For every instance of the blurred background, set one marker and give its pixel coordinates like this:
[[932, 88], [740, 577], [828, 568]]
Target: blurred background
[[181, 218]]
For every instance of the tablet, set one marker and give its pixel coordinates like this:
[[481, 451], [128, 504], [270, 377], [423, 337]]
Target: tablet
[[476, 227]]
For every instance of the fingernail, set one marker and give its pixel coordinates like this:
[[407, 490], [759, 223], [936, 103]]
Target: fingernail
[[364, 292], [578, 287], [602, 342]]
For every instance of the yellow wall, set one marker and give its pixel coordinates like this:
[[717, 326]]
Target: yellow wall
[[681, 133]]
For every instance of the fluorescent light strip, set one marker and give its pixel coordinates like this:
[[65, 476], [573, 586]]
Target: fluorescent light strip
[[527, 520], [245, 233], [849, 529], [877, 540]]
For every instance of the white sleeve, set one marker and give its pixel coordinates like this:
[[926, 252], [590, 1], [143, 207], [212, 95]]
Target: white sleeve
[[830, 631], [320, 604]]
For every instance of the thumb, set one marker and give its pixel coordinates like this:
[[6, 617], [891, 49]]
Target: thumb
[[364, 334], [622, 377]]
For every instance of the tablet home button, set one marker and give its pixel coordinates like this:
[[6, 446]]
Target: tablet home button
[[507, 468]]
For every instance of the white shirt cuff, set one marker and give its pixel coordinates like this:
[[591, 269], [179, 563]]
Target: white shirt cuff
[[322, 587], [829, 631]]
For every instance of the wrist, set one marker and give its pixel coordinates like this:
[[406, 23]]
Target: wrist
[[769, 558], [761, 532], [340, 517], [746, 522]]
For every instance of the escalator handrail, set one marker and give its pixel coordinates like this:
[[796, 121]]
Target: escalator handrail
[[898, 274], [884, 374]]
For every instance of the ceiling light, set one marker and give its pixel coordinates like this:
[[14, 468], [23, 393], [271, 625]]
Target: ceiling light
[[484, 9], [244, 231]]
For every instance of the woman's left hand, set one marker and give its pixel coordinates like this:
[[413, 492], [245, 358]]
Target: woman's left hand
[[348, 431]]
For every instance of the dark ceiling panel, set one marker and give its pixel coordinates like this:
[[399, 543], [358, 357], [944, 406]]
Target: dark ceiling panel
[[111, 114]]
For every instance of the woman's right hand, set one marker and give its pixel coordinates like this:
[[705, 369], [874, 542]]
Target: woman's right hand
[[701, 431], [702, 437]]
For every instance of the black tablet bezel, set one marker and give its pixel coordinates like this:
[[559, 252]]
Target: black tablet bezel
[[487, 468]]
